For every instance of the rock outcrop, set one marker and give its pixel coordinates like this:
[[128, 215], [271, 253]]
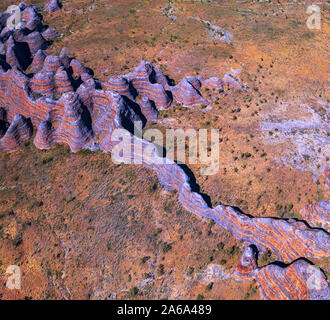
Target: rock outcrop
[[299, 280], [317, 214], [73, 129], [49, 34], [119, 84], [67, 105], [141, 81], [19, 131], [38, 61], [62, 81], [187, 94], [148, 109], [300, 241], [43, 83], [52, 6]]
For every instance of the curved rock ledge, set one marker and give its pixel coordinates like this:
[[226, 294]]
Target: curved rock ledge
[[20, 130], [288, 239], [317, 214], [84, 116], [299, 280]]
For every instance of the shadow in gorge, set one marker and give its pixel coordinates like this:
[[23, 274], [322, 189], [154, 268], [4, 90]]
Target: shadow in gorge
[[3, 127], [193, 184], [5, 66], [23, 54], [285, 265]]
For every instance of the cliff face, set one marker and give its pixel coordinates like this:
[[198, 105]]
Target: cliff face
[[300, 241], [299, 280], [67, 105], [19, 130], [52, 6], [317, 214]]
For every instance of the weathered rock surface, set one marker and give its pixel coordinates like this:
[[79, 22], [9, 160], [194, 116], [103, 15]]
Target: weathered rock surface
[[84, 113], [19, 131], [299, 280], [52, 6]]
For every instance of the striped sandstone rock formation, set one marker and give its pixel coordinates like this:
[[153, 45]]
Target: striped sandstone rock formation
[[64, 58], [231, 82], [38, 61], [119, 84], [62, 81], [43, 83], [30, 17], [35, 42], [72, 130], [299, 280], [19, 131], [51, 64], [19, 44], [86, 117], [187, 93], [77, 68], [52, 6], [49, 34], [148, 109], [317, 214], [300, 241], [11, 58], [213, 82], [140, 79], [45, 135]]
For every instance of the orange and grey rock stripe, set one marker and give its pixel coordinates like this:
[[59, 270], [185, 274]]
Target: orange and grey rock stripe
[[11, 57], [264, 232], [290, 239], [213, 82], [18, 131], [43, 83], [231, 82], [317, 214], [51, 64], [30, 17], [118, 84], [300, 280], [154, 91], [49, 34], [62, 81], [52, 6], [35, 41], [45, 135], [65, 60], [148, 110], [38, 61], [187, 94], [77, 68], [72, 129]]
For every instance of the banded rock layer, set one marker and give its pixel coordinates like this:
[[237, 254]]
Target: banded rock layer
[[317, 214], [52, 6], [20, 130], [67, 105], [299, 280], [289, 240]]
